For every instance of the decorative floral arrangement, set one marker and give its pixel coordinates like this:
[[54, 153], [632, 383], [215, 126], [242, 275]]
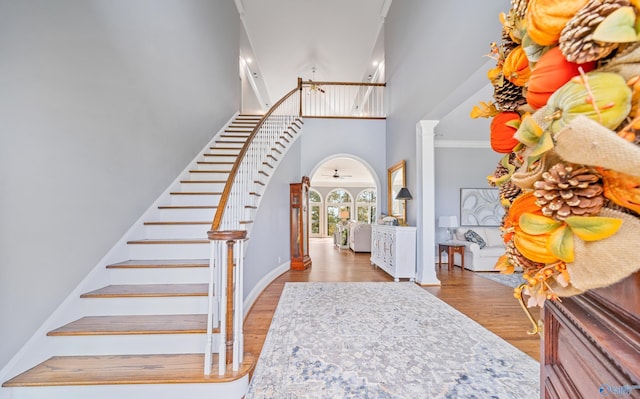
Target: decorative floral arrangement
[[565, 113]]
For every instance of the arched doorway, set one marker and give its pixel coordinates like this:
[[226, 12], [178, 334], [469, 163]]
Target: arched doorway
[[346, 186]]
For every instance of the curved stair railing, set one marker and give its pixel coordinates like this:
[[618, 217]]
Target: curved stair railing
[[238, 202], [250, 173]]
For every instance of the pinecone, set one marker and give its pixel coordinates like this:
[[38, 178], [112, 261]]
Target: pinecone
[[576, 39], [509, 191], [497, 174], [568, 190], [508, 96], [519, 7], [507, 44], [519, 261]]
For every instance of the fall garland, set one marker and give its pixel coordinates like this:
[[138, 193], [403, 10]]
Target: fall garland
[[565, 114]]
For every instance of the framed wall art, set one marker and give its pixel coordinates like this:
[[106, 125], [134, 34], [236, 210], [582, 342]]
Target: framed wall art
[[480, 207]]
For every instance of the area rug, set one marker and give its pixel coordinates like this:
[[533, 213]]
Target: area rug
[[383, 340], [511, 280]]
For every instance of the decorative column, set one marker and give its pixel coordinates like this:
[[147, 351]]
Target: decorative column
[[426, 241]]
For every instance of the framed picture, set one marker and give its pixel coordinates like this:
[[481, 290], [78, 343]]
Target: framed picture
[[480, 207]]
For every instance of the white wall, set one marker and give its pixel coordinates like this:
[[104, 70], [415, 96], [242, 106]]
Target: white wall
[[269, 246], [432, 48], [103, 103], [363, 140]]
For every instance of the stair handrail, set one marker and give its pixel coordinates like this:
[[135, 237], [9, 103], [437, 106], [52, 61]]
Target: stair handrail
[[231, 180]]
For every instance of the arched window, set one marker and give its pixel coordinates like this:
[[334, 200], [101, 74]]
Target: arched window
[[315, 213], [366, 206], [339, 203]]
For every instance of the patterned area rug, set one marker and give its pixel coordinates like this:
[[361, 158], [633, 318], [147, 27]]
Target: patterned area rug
[[511, 280], [384, 340]]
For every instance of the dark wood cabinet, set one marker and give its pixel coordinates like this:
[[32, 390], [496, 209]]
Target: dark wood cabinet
[[299, 224], [591, 344]]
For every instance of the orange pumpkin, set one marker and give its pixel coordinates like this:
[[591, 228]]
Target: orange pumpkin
[[525, 203], [545, 19], [516, 67], [502, 140], [552, 71]]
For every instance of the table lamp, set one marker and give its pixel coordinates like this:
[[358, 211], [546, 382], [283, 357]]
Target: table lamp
[[450, 223]]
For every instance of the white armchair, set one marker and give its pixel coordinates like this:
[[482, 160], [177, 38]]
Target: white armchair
[[360, 237], [476, 258]]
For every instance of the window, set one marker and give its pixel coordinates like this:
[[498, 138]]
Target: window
[[315, 205], [339, 201], [366, 206]]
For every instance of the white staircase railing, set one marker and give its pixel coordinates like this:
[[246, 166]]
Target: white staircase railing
[[265, 146], [241, 195]]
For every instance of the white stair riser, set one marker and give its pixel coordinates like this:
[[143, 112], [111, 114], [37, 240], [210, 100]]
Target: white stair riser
[[221, 158], [164, 231], [133, 344], [230, 390], [182, 275], [141, 305], [209, 175], [168, 251], [185, 214], [200, 199], [200, 187], [227, 146]]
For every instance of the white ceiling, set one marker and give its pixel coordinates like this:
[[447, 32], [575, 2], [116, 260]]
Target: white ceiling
[[342, 39], [287, 38]]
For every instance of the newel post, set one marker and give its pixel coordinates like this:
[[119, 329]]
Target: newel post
[[300, 102], [230, 303]]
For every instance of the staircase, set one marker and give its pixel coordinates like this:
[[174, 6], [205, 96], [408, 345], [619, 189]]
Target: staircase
[[143, 334]]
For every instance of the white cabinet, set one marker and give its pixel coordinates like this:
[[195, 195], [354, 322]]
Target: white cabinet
[[393, 249]]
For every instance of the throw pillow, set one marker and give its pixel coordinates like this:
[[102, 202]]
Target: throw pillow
[[472, 236]]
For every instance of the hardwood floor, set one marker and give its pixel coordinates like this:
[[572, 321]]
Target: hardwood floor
[[488, 303]]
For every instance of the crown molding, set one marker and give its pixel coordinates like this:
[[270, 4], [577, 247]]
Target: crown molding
[[462, 144]]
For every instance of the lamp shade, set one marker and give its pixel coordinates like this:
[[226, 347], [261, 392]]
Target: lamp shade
[[404, 194], [448, 221], [344, 214]]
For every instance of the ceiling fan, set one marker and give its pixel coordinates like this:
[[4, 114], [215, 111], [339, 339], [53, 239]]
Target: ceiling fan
[[337, 175], [313, 87]]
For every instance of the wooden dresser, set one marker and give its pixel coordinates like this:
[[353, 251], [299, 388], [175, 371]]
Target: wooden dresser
[[591, 344]]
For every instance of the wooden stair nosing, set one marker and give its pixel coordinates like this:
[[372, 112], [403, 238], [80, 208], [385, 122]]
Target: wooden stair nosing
[[220, 155], [159, 263], [135, 325], [187, 207], [202, 181], [209, 171], [172, 241], [148, 290], [215, 162], [127, 369], [195, 193], [176, 223]]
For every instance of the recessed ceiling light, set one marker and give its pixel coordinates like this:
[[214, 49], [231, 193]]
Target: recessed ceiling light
[[249, 60], [375, 63]]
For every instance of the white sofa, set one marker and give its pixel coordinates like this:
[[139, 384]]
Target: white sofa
[[360, 237], [477, 259]]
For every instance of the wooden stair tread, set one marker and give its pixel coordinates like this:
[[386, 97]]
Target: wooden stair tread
[[196, 193], [187, 207], [202, 181], [174, 223], [168, 241], [134, 325], [127, 369], [148, 290], [160, 263]]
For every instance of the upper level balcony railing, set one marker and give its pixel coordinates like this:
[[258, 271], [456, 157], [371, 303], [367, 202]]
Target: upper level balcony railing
[[341, 100]]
